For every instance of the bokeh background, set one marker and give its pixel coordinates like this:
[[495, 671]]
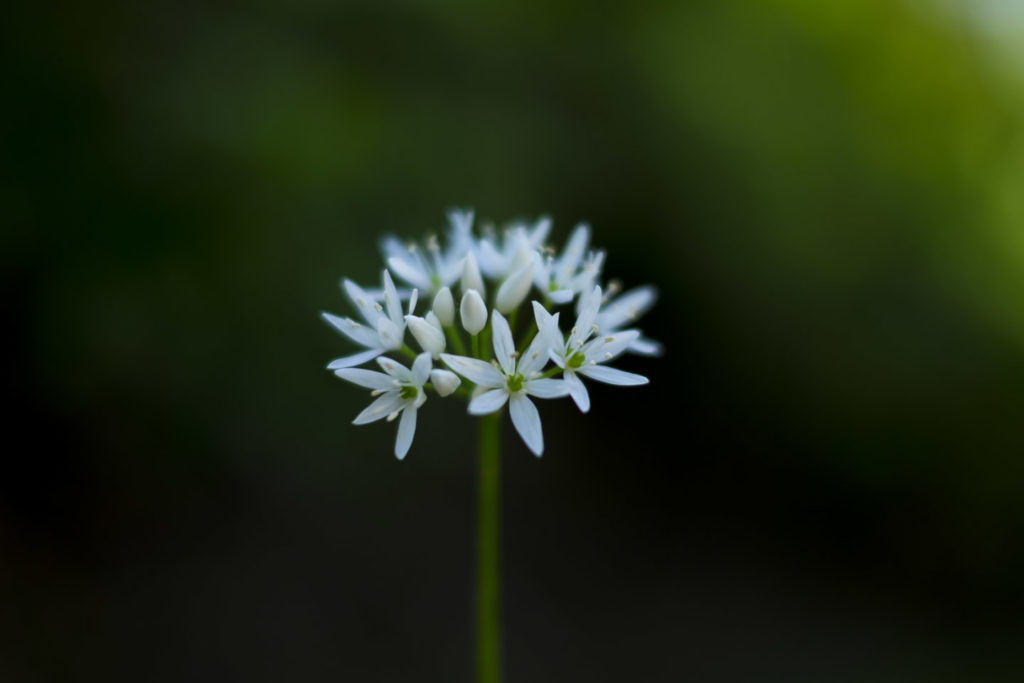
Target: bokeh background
[[823, 482]]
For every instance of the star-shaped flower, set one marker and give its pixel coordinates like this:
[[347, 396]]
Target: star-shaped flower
[[511, 378], [385, 326], [438, 267], [582, 355], [400, 391]]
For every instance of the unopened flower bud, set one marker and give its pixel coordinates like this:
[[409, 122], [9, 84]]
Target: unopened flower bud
[[430, 338], [514, 289], [445, 382], [444, 307], [473, 312]]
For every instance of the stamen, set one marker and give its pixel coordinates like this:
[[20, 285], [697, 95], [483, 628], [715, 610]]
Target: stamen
[[392, 416], [376, 392], [377, 307], [360, 302], [607, 356], [609, 339]]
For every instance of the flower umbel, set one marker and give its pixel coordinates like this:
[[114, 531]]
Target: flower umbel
[[474, 291]]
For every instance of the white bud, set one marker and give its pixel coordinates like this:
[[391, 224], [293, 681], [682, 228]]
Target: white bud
[[445, 382], [473, 312], [471, 278], [514, 289], [444, 307], [429, 337]]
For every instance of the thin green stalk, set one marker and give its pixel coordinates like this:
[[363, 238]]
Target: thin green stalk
[[488, 631], [474, 341], [455, 339]]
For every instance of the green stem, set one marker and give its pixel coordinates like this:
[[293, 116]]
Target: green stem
[[456, 341], [475, 343], [488, 632]]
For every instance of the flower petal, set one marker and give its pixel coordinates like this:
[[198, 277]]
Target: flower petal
[[610, 345], [381, 408], [363, 302], [546, 388], [626, 307], [391, 301], [527, 422], [354, 360], [359, 333], [416, 277], [406, 430], [476, 371], [646, 347], [370, 379], [578, 391], [612, 376], [395, 369], [421, 369], [488, 402], [504, 347]]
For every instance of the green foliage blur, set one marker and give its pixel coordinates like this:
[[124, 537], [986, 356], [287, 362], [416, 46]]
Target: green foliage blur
[[827, 195]]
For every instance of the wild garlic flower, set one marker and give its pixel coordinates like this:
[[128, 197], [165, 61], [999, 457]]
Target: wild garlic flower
[[583, 353], [385, 326], [431, 268], [494, 280], [573, 271], [400, 391], [511, 378]]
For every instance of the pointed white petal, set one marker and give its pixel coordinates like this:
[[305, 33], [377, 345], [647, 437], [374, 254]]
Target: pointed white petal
[[608, 346], [395, 369], [421, 369], [392, 304], [390, 334], [367, 378], [546, 388], [354, 360], [363, 302], [379, 409], [504, 347], [646, 347], [488, 402], [414, 297], [476, 371], [357, 332], [612, 376], [574, 250], [406, 430], [626, 308], [578, 391], [537, 353], [590, 303], [527, 422], [561, 296], [445, 382], [413, 274], [540, 231]]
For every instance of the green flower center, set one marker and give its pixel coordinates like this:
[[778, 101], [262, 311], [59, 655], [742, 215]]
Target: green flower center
[[408, 392], [515, 383], [576, 360]]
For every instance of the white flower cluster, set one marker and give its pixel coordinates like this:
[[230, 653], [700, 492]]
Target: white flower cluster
[[549, 364]]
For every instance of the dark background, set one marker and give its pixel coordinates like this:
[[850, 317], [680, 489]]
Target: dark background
[[823, 482]]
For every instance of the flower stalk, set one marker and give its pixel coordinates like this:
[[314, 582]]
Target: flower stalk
[[488, 607]]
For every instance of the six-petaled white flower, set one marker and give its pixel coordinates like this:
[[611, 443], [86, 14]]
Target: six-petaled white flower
[[385, 326], [400, 391], [511, 378], [584, 354]]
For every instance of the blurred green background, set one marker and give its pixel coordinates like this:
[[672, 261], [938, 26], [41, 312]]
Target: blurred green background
[[824, 481]]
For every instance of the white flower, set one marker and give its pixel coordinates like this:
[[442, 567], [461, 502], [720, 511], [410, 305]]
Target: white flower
[[385, 326], [400, 391], [471, 277], [511, 378], [581, 355], [561, 278], [473, 312], [437, 267], [516, 251], [623, 310], [445, 382]]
